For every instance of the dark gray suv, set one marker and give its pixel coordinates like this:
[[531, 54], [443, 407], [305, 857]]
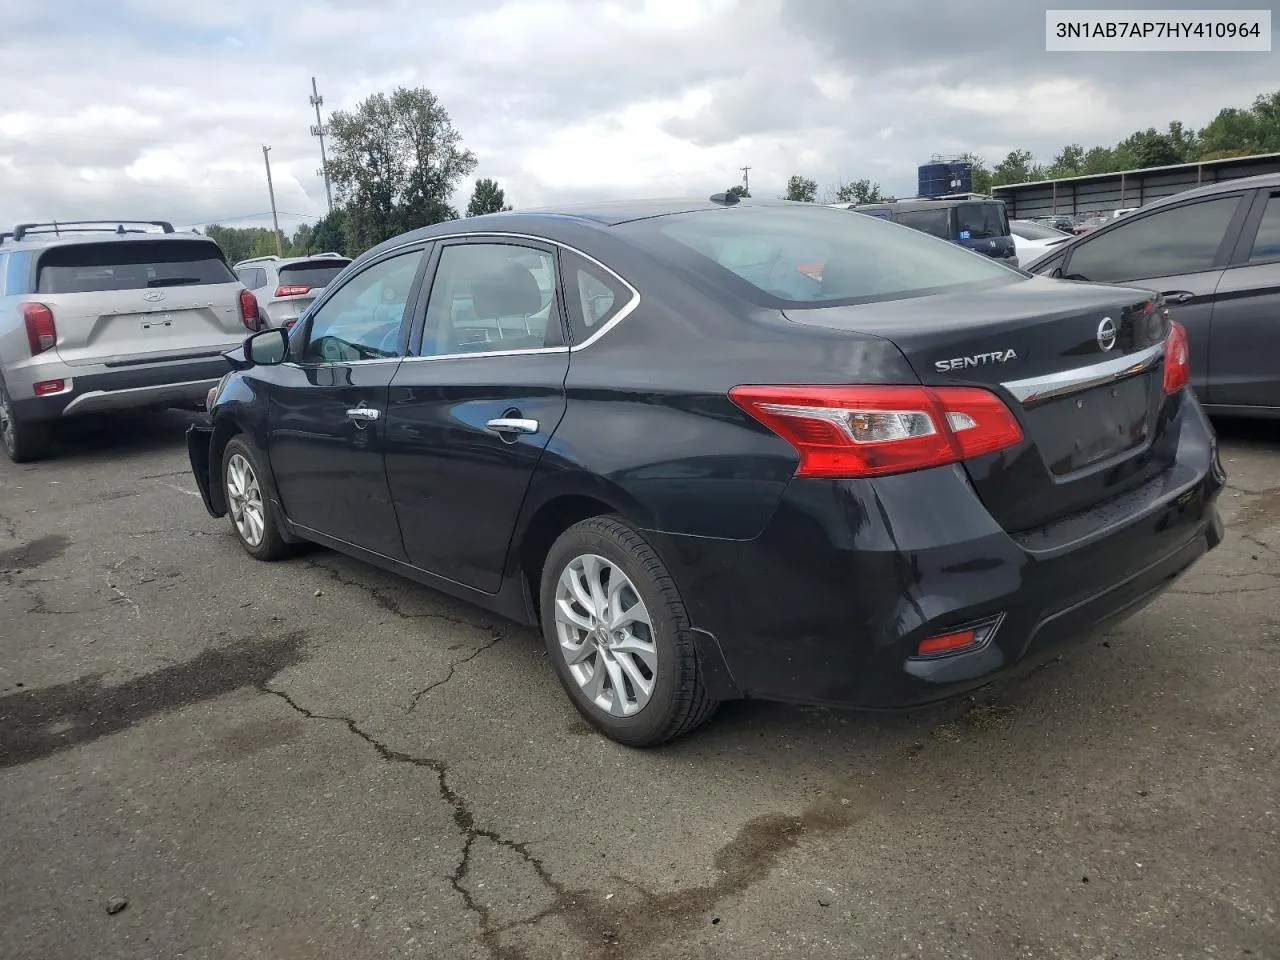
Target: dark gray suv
[[1214, 252]]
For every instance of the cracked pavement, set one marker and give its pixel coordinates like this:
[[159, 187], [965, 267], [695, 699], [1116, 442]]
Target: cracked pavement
[[315, 759]]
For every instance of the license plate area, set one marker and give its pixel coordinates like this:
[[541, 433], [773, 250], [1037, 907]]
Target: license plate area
[[1078, 431]]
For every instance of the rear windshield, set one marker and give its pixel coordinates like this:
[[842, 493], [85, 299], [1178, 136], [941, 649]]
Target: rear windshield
[[981, 221], [311, 273], [800, 255], [936, 223], [131, 265]]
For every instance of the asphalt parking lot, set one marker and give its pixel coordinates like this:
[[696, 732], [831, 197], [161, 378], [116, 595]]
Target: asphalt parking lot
[[204, 756]]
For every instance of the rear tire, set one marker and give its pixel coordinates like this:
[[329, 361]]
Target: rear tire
[[253, 515], [618, 635], [23, 441]]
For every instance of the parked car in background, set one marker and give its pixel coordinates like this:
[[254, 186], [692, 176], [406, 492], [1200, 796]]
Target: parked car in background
[[1059, 221], [977, 224], [1214, 254], [1088, 224], [286, 286], [102, 316], [1032, 239], [726, 448]]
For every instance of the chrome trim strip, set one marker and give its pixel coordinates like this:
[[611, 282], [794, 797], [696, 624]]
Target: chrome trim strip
[[486, 353], [1064, 382]]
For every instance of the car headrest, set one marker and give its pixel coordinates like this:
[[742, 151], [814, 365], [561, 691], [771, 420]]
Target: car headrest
[[509, 292]]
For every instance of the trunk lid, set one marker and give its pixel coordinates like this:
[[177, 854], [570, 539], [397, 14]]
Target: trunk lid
[[128, 302], [1091, 413]]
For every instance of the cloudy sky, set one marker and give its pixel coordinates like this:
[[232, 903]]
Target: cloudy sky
[[159, 108]]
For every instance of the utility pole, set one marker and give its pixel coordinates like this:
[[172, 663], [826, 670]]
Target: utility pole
[[746, 180], [275, 220], [317, 130]]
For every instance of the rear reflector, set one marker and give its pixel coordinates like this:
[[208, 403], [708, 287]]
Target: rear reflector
[[249, 315], [859, 431], [45, 388], [1177, 359], [959, 641], [294, 290], [947, 643], [41, 332]]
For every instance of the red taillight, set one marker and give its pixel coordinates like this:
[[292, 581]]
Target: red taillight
[[1177, 359], [856, 431], [292, 290], [249, 315], [41, 332]]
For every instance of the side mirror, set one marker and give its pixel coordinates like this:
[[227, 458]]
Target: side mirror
[[267, 348]]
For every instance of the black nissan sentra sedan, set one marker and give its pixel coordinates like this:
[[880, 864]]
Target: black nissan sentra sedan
[[719, 449]]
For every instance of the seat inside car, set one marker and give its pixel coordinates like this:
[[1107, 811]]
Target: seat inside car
[[499, 314]]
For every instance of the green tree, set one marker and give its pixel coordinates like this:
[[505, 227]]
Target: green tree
[[859, 191], [487, 197], [1099, 160], [802, 189], [329, 235], [739, 191], [1017, 167], [1068, 162], [394, 163]]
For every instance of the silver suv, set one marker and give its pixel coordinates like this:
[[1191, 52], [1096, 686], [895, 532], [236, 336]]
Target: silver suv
[[103, 316], [286, 286]]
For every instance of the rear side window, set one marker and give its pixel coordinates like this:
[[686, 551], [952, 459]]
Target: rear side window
[[131, 265], [311, 273], [812, 256], [596, 296], [981, 221], [14, 277], [936, 223], [1266, 246]]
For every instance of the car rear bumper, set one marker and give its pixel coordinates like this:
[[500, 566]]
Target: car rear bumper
[[184, 384], [829, 605]]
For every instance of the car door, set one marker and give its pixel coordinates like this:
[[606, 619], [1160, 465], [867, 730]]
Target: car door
[[1180, 251], [471, 411], [1244, 361], [327, 421]]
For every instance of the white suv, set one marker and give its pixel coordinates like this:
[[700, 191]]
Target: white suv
[[286, 286], [101, 316]]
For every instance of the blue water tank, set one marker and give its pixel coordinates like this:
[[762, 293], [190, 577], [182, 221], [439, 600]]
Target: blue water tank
[[940, 178]]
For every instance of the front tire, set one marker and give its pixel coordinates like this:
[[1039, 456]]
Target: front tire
[[254, 518], [23, 441], [618, 635]]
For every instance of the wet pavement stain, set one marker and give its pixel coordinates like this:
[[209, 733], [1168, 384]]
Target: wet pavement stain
[[34, 554], [38, 723], [1259, 513]]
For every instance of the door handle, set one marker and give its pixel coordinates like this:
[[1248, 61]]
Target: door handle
[[363, 414], [513, 425], [1178, 296]]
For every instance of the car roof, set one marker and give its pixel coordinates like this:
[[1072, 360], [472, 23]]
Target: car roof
[[286, 261]]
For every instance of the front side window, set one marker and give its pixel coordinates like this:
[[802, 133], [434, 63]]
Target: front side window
[[1181, 240], [812, 256], [1266, 245], [489, 297], [362, 320]]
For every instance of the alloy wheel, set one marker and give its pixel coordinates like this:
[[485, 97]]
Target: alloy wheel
[[244, 499], [605, 635]]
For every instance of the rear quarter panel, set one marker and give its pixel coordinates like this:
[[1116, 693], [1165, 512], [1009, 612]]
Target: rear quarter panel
[[649, 422]]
